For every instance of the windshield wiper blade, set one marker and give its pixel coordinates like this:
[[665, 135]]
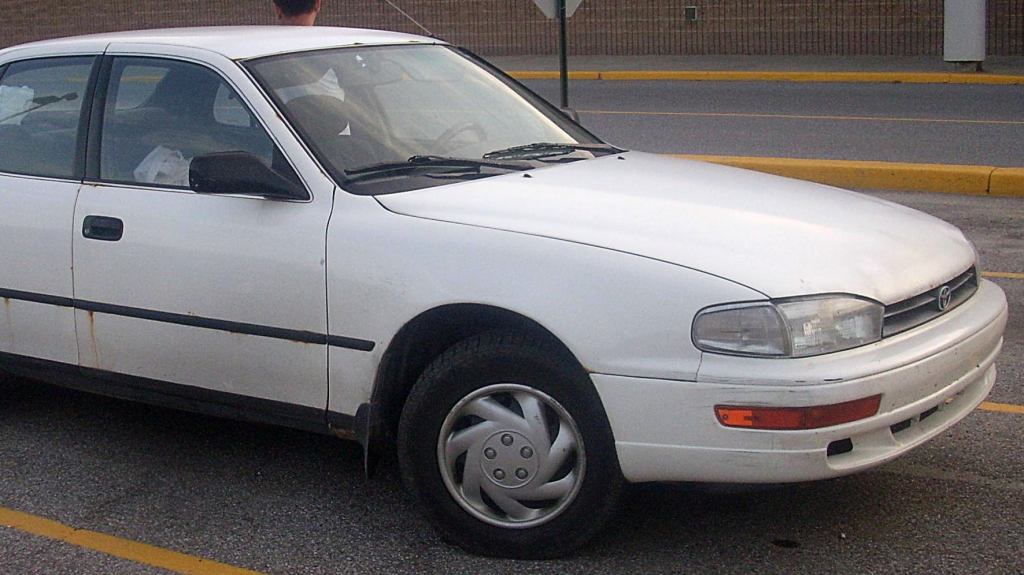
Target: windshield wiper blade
[[427, 163], [539, 150]]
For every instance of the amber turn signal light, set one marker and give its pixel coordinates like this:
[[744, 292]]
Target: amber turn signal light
[[793, 418]]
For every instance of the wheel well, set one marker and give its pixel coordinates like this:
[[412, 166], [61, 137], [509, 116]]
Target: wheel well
[[422, 340]]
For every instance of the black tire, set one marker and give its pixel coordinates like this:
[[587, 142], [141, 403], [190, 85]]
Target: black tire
[[476, 366]]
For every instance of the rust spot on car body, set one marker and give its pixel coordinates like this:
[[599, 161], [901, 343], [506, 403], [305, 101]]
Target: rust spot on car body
[[347, 434], [94, 345], [10, 320]]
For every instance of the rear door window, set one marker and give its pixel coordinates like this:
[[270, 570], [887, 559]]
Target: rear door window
[[40, 115]]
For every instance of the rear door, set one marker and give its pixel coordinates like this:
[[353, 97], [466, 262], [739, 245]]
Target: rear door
[[41, 142], [222, 298]]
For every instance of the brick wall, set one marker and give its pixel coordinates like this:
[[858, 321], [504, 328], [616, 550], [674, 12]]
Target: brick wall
[[500, 27], [1006, 27]]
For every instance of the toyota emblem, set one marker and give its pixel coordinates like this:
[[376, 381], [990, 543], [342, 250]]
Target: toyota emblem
[[945, 295]]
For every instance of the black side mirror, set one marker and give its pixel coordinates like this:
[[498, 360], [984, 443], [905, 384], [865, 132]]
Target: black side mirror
[[240, 173]]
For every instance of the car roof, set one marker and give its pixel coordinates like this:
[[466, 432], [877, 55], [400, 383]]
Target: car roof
[[235, 42]]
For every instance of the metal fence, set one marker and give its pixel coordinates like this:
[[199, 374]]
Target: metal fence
[[633, 27]]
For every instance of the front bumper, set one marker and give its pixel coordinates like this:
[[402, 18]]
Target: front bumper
[[929, 377]]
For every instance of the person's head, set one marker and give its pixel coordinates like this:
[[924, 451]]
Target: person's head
[[296, 12]]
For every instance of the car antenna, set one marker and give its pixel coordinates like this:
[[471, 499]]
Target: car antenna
[[413, 20]]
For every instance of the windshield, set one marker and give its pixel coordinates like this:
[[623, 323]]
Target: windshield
[[384, 119]]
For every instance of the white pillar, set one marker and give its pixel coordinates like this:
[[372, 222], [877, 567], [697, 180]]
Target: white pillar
[[964, 39]]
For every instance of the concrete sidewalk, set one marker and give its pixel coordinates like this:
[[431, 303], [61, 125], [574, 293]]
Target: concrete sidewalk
[[908, 69]]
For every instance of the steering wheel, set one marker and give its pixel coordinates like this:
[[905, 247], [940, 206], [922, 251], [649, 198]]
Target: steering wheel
[[444, 142]]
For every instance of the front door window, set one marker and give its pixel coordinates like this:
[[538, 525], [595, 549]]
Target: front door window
[[160, 114]]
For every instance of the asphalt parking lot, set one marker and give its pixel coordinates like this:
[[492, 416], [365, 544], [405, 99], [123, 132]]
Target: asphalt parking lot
[[280, 501], [930, 123]]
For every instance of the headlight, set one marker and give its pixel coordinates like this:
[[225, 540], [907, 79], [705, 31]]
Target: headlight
[[789, 328]]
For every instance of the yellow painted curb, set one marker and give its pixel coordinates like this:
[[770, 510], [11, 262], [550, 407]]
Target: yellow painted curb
[[959, 179], [548, 75], [123, 548], [1007, 182], [747, 76]]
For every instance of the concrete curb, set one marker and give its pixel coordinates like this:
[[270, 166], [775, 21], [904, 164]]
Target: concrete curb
[[737, 76], [960, 179]]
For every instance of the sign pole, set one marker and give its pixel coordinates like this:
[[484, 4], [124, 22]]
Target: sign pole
[[563, 58]]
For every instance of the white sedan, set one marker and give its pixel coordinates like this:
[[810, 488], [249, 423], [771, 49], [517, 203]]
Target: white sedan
[[378, 236]]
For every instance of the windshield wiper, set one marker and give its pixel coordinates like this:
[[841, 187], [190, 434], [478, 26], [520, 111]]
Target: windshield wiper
[[539, 150], [429, 164]]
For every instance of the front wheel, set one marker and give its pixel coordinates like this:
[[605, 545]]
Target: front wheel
[[505, 444]]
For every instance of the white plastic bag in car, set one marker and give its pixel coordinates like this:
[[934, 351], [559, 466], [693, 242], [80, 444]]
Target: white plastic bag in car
[[163, 166]]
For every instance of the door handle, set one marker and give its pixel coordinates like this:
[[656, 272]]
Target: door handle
[[102, 228]]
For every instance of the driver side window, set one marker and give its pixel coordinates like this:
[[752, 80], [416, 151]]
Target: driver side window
[[160, 114]]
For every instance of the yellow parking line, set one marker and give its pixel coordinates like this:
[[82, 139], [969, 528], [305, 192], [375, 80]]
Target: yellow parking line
[[806, 117], [1002, 407], [1003, 275], [123, 548]]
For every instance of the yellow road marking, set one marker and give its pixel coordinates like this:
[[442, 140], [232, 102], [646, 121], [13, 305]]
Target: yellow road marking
[[123, 548], [1003, 407], [807, 117], [1003, 275]]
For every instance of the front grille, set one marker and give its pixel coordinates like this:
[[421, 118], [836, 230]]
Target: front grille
[[922, 308]]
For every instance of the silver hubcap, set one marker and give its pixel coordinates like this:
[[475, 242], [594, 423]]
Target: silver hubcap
[[511, 455]]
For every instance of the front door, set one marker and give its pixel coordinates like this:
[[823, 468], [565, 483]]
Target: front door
[[219, 297]]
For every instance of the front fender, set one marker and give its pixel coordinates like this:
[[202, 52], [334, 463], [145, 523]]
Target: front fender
[[616, 312]]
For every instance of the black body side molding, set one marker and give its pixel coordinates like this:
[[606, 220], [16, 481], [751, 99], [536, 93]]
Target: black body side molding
[[194, 321]]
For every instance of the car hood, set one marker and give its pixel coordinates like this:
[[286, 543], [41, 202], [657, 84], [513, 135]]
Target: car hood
[[779, 236]]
